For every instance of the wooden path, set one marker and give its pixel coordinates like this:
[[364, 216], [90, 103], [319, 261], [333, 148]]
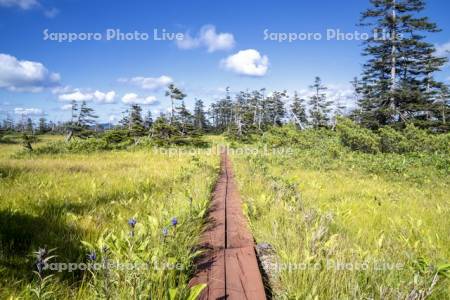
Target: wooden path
[[229, 266]]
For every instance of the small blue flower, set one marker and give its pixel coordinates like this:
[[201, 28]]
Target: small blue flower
[[132, 222], [41, 255], [40, 266], [165, 231], [92, 256], [174, 221]]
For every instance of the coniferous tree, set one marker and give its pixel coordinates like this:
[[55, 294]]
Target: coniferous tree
[[298, 111], [175, 94], [274, 108], [148, 121], [442, 108], [43, 127], [398, 83], [85, 121], [162, 129], [29, 126], [81, 124], [200, 121], [136, 123], [185, 120], [72, 125], [125, 120], [320, 107]]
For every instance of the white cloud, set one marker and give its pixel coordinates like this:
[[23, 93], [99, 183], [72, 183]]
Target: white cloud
[[148, 83], [132, 98], [28, 111], [75, 96], [22, 4], [443, 50], [25, 76], [66, 107], [247, 62], [188, 42], [208, 38], [105, 97], [62, 90], [78, 95]]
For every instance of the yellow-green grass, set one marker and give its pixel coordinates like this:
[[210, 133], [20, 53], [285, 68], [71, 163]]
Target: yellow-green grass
[[318, 219], [59, 201]]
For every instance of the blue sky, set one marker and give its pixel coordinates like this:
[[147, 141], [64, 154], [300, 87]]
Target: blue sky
[[223, 46]]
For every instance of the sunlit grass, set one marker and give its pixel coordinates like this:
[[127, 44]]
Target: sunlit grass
[[347, 215], [59, 201]]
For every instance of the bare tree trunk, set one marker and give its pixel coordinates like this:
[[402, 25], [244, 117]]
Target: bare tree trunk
[[171, 112], [69, 136], [393, 54]]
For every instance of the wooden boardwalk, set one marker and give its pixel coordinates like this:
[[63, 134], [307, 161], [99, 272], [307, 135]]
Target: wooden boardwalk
[[229, 266]]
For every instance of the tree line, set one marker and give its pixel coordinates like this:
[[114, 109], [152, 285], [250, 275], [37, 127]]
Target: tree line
[[397, 86]]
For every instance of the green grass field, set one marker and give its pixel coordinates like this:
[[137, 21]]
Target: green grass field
[[61, 200], [343, 224], [348, 225]]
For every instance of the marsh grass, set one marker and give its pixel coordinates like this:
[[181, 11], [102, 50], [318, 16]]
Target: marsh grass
[[324, 205], [79, 203]]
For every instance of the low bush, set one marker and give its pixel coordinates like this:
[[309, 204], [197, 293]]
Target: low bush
[[356, 137], [392, 141]]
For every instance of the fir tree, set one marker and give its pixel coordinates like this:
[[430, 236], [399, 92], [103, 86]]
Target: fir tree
[[298, 111], [136, 123], [274, 108], [29, 127], [43, 127], [398, 76], [175, 94], [184, 120], [320, 107], [86, 119], [200, 122], [148, 121]]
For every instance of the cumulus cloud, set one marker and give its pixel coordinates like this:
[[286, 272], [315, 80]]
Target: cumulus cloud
[[247, 62], [28, 111], [107, 97], [132, 98], [443, 50], [148, 83], [25, 76], [78, 95], [208, 38], [22, 4]]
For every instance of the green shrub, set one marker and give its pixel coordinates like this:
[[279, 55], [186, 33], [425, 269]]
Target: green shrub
[[392, 141], [421, 141], [289, 135], [74, 146], [116, 136], [356, 137]]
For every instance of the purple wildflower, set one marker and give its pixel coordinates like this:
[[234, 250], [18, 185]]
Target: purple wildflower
[[132, 222], [92, 256]]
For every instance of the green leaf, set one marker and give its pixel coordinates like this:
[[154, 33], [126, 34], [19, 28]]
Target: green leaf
[[195, 291]]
